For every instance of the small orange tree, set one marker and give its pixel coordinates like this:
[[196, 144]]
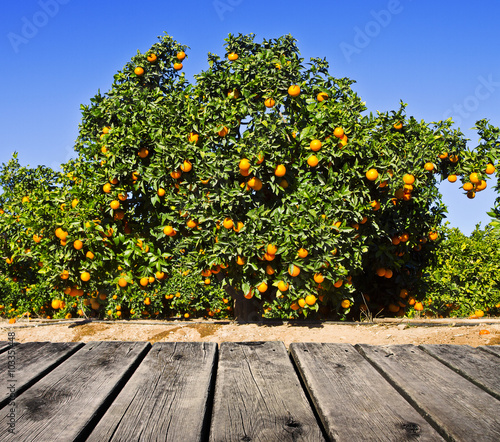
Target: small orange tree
[[265, 175]]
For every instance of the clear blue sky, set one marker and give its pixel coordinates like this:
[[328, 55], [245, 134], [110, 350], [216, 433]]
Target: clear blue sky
[[440, 57]]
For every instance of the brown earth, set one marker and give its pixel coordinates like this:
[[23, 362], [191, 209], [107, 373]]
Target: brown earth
[[449, 331]]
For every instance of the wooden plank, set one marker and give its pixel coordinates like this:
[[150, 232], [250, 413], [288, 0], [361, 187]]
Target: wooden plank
[[31, 361], [5, 345], [354, 402], [166, 398], [458, 409], [493, 349], [65, 403], [258, 396], [479, 367]]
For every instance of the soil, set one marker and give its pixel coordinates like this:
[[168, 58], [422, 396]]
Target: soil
[[458, 332]]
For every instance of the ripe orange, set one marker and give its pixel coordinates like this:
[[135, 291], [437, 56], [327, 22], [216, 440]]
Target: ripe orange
[[176, 174], [312, 161], [474, 178], [244, 164], [269, 102], [280, 170], [193, 138], [144, 281], [418, 306], [283, 183], [302, 252], [232, 56], [177, 66], [249, 295], [403, 293], [471, 194], [375, 205], [151, 58], [139, 71], [388, 273], [338, 283], [338, 132], [143, 152], [294, 90], [433, 236], [269, 256], [64, 274], [345, 303], [372, 174], [269, 270], [181, 55], [78, 244], [454, 158], [262, 287], [238, 226], [315, 145], [484, 332], [322, 96], [490, 168], [408, 179], [260, 158], [293, 270], [468, 186], [443, 155], [161, 192], [393, 308], [240, 261], [90, 255], [429, 166], [481, 185], [223, 132], [55, 304], [106, 188], [398, 125], [272, 249], [85, 276], [311, 299], [114, 204], [452, 178], [318, 278], [228, 223], [186, 166], [168, 230], [294, 306], [191, 224], [283, 286], [381, 272], [122, 282]]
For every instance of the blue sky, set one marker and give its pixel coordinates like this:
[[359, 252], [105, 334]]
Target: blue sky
[[442, 58]]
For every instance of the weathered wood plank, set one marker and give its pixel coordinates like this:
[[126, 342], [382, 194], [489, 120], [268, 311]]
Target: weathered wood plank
[[4, 346], [31, 361], [61, 405], [354, 402], [479, 367], [493, 349], [165, 399], [258, 396], [458, 409]]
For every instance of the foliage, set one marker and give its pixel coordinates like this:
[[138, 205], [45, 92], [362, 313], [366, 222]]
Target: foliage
[[465, 275], [229, 178]]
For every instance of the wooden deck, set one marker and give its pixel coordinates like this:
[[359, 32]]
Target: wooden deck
[[249, 391]]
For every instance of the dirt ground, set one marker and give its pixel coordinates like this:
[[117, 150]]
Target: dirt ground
[[459, 332]]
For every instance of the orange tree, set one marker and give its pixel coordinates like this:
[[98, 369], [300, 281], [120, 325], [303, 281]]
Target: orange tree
[[265, 175]]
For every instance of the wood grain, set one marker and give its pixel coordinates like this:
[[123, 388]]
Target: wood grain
[[493, 349], [32, 361], [258, 396], [354, 402], [61, 405], [165, 399], [479, 367], [457, 408]]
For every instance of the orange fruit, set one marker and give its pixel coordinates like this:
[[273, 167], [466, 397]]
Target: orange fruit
[[322, 96], [312, 161], [403, 293], [168, 230], [408, 179], [484, 332], [311, 299], [55, 304], [238, 226], [471, 194], [294, 306], [177, 66], [315, 145], [302, 252], [139, 71], [293, 270], [490, 168], [481, 186], [269, 102], [418, 306], [269, 270], [85, 276], [122, 196], [151, 58], [283, 184], [393, 308], [181, 55], [122, 282], [302, 302], [454, 158], [429, 166], [479, 313], [468, 186], [380, 271], [78, 245], [64, 274], [433, 236], [240, 261], [232, 56], [191, 224], [193, 137], [143, 152], [244, 164], [272, 249], [283, 286], [262, 287], [398, 125], [474, 178], [249, 295], [294, 90], [228, 223], [318, 278], [233, 93], [338, 132], [260, 158], [388, 273], [106, 188], [452, 178], [280, 170], [443, 155], [161, 192], [371, 174], [338, 283], [90, 255], [176, 174], [345, 303], [114, 204], [186, 166], [375, 205], [223, 132]]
